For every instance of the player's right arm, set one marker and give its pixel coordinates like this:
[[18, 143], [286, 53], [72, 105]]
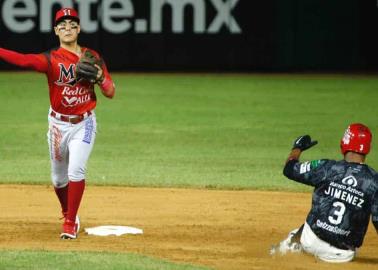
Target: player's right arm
[[36, 62], [309, 172], [303, 172]]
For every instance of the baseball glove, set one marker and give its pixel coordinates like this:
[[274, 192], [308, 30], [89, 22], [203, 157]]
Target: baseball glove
[[86, 69]]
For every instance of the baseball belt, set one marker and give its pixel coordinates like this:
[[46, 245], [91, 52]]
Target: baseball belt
[[73, 119]]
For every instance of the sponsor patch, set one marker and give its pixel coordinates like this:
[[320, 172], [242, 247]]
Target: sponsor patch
[[332, 228], [88, 131], [315, 164], [350, 181], [305, 167]]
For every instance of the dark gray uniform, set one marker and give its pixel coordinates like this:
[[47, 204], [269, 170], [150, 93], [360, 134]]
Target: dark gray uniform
[[345, 195]]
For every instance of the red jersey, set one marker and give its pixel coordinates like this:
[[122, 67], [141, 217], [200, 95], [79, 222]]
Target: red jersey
[[67, 95]]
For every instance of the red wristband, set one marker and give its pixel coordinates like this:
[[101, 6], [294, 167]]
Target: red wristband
[[106, 84]]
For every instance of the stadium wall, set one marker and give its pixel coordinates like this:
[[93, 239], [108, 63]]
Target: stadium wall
[[206, 35]]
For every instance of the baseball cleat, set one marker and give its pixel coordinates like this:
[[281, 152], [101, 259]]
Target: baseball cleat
[[287, 245], [70, 229]]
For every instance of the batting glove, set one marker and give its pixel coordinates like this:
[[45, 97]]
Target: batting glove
[[304, 142]]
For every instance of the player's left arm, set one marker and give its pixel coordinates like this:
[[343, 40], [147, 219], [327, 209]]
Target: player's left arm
[[105, 81]]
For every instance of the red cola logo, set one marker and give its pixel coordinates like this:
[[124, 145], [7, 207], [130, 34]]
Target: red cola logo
[[72, 96]]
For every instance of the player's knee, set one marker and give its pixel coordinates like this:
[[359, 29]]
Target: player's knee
[[59, 181], [76, 173]]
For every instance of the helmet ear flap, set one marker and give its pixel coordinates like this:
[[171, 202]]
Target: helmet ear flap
[[357, 138]]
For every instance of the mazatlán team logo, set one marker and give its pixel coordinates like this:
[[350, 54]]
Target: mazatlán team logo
[[66, 75], [350, 181], [346, 137]]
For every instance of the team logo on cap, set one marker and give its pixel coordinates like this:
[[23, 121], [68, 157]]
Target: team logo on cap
[[350, 181], [347, 135], [67, 12]]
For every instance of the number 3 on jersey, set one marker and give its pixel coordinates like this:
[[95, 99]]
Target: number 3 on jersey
[[338, 213]]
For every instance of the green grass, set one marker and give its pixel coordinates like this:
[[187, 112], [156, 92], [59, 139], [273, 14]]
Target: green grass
[[205, 131], [48, 260]]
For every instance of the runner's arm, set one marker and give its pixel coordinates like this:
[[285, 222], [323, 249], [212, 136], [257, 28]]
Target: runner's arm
[[308, 173]]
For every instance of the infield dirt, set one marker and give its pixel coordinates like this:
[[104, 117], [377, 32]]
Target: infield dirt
[[219, 229]]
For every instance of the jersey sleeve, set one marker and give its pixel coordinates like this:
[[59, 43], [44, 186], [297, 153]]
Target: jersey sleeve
[[105, 70], [37, 62], [107, 86], [374, 210], [310, 172]]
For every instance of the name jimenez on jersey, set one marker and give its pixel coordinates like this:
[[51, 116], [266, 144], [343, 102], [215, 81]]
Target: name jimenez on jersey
[[344, 192]]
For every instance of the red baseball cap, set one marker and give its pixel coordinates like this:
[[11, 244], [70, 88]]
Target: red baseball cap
[[66, 13]]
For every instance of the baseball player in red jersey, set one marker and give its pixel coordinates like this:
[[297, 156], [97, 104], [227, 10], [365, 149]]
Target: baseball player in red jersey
[[72, 120]]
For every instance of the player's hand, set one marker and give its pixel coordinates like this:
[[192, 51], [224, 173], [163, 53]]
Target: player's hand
[[304, 142]]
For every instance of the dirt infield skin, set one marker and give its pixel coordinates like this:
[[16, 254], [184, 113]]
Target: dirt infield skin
[[219, 229]]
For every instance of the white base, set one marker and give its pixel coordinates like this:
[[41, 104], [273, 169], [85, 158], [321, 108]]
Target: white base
[[112, 230]]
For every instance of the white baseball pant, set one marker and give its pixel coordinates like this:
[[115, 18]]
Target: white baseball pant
[[70, 147], [312, 244]]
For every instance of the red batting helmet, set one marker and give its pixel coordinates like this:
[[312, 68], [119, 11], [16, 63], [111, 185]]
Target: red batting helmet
[[357, 138], [66, 13]]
